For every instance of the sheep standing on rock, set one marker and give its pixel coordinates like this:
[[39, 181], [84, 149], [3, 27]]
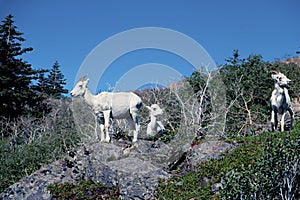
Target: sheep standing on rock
[[280, 100], [106, 105], [154, 126]]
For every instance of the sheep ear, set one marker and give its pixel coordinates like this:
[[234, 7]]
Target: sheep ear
[[87, 80], [275, 71], [82, 78], [149, 108]]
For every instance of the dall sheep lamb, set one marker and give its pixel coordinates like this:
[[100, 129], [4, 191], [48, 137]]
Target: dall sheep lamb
[[106, 105], [280, 100], [154, 126]]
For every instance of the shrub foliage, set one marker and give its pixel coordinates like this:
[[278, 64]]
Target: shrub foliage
[[262, 167], [27, 144], [275, 175], [248, 86], [86, 189]]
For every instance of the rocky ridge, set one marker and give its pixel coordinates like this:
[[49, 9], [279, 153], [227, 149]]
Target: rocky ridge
[[135, 169]]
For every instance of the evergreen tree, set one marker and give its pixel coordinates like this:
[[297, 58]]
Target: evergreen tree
[[235, 59], [41, 86], [16, 75], [55, 82]]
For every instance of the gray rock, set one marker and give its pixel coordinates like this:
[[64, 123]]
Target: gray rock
[[216, 187], [132, 165], [134, 168], [206, 151]]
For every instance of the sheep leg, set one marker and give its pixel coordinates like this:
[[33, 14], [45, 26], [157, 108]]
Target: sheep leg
[[274, 120], [101, 121], [106, 115], [131, 124], [135, 126], [136, 132], [282, 122], [102, 132], [292, 117]]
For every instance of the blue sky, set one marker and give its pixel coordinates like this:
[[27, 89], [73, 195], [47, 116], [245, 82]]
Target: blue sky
[[67, 31]]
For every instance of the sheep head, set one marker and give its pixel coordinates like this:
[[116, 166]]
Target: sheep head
[[155, 110], [280, 78], [80, 87]]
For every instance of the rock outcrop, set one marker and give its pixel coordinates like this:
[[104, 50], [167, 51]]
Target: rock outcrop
[[135, 169]]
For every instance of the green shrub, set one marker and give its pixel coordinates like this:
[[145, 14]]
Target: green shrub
[[22, 154], [275, 173], [191, 184], [248, 86], [254, 170], [86, 189]]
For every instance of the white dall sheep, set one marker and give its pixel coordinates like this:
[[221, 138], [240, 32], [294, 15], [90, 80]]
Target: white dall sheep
[[280, 100], [154, 126], [119, 105]]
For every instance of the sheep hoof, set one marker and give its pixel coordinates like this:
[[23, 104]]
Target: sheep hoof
[[126, 151]]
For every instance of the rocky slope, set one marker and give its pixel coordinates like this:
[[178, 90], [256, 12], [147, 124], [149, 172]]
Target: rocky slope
[[135, 169]]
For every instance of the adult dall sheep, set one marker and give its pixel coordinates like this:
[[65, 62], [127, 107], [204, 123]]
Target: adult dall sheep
[[106, 105], [280, 100]]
